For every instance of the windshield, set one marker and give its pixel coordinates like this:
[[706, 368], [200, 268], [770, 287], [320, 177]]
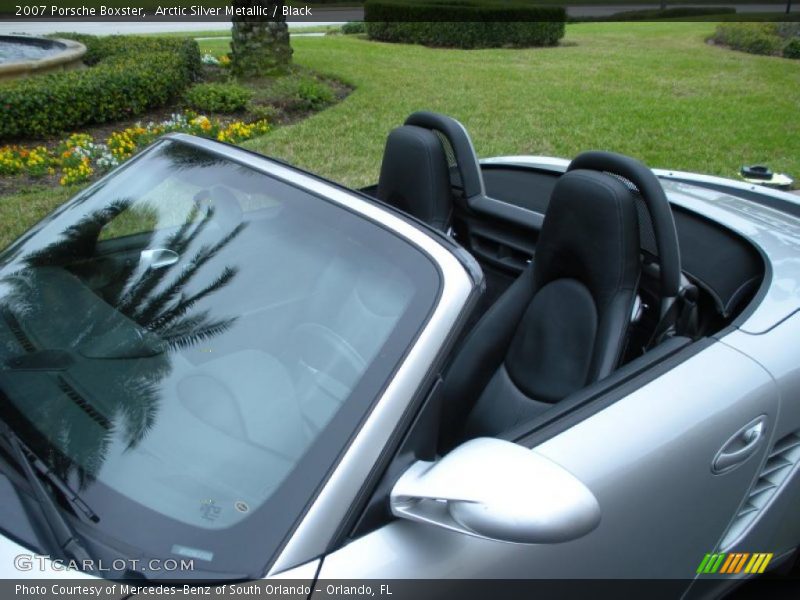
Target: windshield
[[191, 344]]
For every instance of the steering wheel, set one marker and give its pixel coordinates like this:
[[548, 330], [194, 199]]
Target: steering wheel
[[326, 358], [672, 283]]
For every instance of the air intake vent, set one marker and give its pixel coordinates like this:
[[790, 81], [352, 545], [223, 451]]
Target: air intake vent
[[16, 329], [785, 455], [71, 393]]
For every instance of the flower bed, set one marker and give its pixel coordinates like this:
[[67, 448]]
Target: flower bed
[[223, 60], [79, 157]]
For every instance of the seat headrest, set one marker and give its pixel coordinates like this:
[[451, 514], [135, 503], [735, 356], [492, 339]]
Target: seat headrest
[[415, 176], [222, 205], [590, 233]]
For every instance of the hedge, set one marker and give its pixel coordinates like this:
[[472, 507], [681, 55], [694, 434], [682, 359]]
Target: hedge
[[128, 75], [354, 27], [792, 49], [655, 14], [464, 24], [755, 38], [218, 97]]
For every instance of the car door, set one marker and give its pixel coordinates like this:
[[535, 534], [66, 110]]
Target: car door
[[645, 451]]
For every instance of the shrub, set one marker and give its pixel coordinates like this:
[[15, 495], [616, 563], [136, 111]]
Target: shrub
[[129, 76], [652, 14], [755, 38], [218, 97], [314, 94], [464, 24], [299, 92], [792, 49], [101, 48], [777, 39], [788, 29], [354, 27], [264, 112]]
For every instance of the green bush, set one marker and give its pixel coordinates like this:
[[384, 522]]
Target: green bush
[[298, 92], [354, 27], [129, 75], [464, 24], [792, 49], [314, 94], [653, 14], [265, 112], [218, 97], [99, 48], [788, 29], [755, 38]]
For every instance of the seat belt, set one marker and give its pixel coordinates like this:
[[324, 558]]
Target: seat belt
[[681, 318]]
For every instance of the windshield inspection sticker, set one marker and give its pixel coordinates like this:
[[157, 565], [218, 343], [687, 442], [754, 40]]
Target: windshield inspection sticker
[[192, 552]]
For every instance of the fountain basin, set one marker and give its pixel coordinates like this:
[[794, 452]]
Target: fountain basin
[[22, 56]]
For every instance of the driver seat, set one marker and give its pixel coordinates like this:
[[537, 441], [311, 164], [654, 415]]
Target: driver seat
[[562, 324]]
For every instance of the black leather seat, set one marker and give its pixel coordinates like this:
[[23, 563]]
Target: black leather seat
[[562, 325], [415, 176]]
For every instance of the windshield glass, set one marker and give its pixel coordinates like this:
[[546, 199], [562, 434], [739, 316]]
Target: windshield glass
[[191, 344]]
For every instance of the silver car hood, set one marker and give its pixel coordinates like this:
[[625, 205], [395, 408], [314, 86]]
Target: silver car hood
[[776, 234]]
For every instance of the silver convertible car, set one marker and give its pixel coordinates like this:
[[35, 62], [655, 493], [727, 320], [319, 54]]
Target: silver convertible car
[[517, 367]]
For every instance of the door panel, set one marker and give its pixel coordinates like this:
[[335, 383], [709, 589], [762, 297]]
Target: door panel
[[647, 459], [521, 186], [502, 246], [501, 229], [776, 526]]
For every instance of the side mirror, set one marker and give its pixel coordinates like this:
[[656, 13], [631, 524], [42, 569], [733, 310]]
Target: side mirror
[[497, 490]]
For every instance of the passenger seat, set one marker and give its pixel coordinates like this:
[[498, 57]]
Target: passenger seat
[[415, 176]]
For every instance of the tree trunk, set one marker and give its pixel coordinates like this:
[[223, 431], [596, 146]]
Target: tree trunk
[[260, 44]]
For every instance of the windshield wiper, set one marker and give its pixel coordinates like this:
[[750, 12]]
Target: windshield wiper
[[65, 535]]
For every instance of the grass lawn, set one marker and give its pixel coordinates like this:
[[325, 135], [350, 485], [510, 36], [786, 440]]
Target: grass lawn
[[655, 91], [19, 211], [749, 17]]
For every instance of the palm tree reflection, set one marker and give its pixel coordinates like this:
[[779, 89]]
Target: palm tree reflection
[[117, 320]]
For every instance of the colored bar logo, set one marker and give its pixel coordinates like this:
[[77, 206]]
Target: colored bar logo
[[731, 563]]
